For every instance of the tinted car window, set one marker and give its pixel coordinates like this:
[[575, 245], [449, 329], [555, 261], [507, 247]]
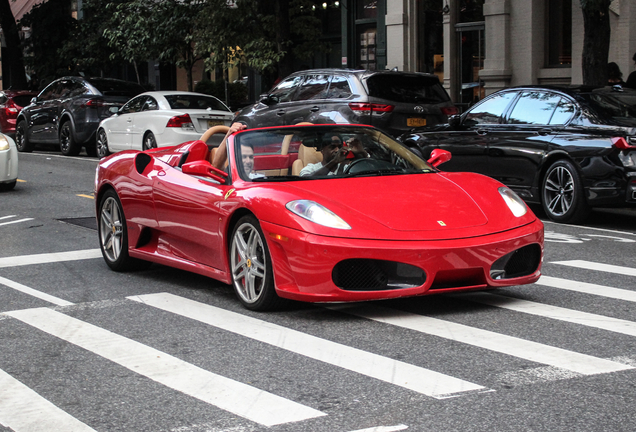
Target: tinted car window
[[150, 104], [285, 89], [116, 88], [50, 92], [406, 88], [314, 87], [339, 87], [134, 105], [621, 107], [22, 100], [190, 101], [491, 110], [534, 107], [77, 89], [563, 112]]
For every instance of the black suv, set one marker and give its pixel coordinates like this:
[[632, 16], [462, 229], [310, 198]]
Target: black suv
[[68, 112], [393, 101]]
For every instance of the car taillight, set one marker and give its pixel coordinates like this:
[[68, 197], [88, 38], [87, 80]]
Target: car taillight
[[95, 103], [359, 106], [449, 111], [11, 107], [621, 143], [183, 121]]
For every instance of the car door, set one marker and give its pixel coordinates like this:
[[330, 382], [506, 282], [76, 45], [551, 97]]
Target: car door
[[515, 157], [41, 114], [468, 143], [188, 216], [141, 121], [120, 125], [308, 100]]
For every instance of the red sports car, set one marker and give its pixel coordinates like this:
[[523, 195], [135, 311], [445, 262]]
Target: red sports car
[[318, 213]]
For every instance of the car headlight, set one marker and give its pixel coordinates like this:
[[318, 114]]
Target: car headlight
[[515, 204], [314, 212], [4, 143]]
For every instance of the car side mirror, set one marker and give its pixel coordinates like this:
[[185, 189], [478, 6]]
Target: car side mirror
[[204, 169], [268, 99], [438, 157], [34, 100], [455, 120]]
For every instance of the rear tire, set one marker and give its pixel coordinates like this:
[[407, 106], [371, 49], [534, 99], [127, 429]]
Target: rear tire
[[8, 186], [562, 193], [149, 141], [21, 141], [68, 145]]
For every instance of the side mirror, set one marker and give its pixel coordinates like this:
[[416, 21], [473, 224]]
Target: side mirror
[[204, 169], [438, 157], [267, 99], [34, 100], [455, 120]]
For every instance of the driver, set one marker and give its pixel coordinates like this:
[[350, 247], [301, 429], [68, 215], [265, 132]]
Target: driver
[[332, 156], [221, 153]]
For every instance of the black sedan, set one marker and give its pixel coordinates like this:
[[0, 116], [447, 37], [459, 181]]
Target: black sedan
[[569, 149], [68, 111]]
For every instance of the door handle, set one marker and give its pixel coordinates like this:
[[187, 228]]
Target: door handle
[[314, 109], [280, 112], [482, 132], [544, 132]]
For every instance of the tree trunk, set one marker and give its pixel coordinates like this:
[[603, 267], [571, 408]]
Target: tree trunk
[[596, 41], [283, 37], [13, 53]]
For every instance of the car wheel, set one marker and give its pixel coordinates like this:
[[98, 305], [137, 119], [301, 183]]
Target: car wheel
[[113, 234], [562, 193], [21, 141], [251, 265], [102, 144], [149, 141], [68, 146], [7, 186]]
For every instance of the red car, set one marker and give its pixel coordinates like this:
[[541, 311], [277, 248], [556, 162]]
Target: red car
[[11, 102], [382, 224]]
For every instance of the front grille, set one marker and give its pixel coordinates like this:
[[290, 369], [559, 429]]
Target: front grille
[[521, 262], [376, 275]]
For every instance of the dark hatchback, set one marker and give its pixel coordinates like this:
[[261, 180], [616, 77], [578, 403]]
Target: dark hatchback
[[393, 101], [569, 149], [68, 111], [11, 103]]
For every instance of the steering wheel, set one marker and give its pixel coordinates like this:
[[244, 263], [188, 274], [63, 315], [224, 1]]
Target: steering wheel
[[368, 164], [213, 131]]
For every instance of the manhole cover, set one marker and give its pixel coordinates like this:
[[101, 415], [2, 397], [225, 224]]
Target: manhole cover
[[86, 222]]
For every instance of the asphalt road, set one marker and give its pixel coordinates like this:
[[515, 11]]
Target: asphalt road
[[83, 348]]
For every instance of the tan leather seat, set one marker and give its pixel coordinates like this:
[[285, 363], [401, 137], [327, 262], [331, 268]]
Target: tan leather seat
[[306, 156]]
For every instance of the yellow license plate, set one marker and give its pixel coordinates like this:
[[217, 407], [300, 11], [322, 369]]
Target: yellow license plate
[[416, 122], [215, 123]]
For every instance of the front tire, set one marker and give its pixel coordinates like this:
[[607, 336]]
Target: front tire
[[251, 266], [149, 141], [68, 145], [562, 193], [102, 144], [21, 141], [113, 234]]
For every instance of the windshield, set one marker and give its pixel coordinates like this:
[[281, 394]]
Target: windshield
[[620, 106], [322, 152], [192, 101]]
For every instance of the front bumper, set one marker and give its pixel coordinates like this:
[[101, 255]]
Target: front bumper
[[304, 263]]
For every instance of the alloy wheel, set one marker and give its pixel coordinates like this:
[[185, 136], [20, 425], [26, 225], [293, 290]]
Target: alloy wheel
[[249, 269], [111, 229]]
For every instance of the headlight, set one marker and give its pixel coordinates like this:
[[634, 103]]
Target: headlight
[[316, 213], [515, 204], [4, 143]]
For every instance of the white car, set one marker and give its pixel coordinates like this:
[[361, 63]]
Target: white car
[[159, 119], [8, 163]]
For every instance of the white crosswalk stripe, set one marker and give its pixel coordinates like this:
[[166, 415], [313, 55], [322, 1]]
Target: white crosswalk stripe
[[589, 265], [588, 288], [23, 410], [241, 399], [415, 378]]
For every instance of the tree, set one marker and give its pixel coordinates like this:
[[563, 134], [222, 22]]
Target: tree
[[13, 55], [596, 41]]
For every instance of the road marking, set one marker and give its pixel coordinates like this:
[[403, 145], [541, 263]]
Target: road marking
[[15, 221], [554, 312], [395, 372], [7, 217], [35, 293], [588, 288], [533, 351], [86, 196], [23, 410], [238, 398], [21, 181], [589, 265], [50, 258], [589, 228]]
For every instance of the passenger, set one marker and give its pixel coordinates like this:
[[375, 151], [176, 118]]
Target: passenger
[[220, 157], [333, 155], [247, 156]]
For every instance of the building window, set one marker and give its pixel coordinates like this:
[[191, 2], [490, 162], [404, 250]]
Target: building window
[[559, 34], [367, 9]]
